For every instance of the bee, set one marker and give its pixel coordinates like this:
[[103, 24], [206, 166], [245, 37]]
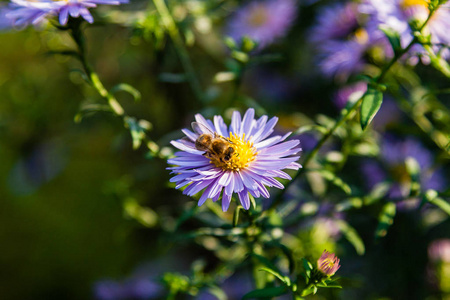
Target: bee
[[214, 145]]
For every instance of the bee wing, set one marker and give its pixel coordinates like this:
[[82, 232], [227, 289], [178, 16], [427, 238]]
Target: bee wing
[[187, 140], [200, 128]]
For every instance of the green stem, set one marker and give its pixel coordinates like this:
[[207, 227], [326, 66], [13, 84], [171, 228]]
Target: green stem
[[172, 29], [78, 37], [346, 114], [437, 62]]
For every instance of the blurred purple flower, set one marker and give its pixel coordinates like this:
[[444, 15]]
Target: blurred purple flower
[[328, 263], [5, 23], [335, 22], [76, 8], [132, 288], [22, 13], [341, 41], [340, 59], [439, 251], [254, 163], [396, 15], [19, 14], [393, 155], [109, 290], [373, 173], [262, 21]]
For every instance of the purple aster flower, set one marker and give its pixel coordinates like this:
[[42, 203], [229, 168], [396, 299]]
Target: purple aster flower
[[76, 8], [22, 13], [328, 263], [340, 59], [263, 21], [341, 41], [335, 22], [240, 159], [396, 14], [132, 288]]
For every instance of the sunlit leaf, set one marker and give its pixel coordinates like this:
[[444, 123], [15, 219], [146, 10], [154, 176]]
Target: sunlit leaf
[[266, 262], [432, 197], [283, 279], [370, 105], [352, 236], [124, 87], [393, 37]]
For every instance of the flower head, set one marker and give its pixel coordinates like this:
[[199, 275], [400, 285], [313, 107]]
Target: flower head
[[240, 159], [263, 21], [397, 14], [340, 40], [76, 8], [21, 13], [335, 22], [328, 263]]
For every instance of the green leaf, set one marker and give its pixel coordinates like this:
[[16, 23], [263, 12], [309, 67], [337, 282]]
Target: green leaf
[[352, 236], [282, 278], [248, 44], [266, 292], [236, 215], [329, 286], [308, 268], [431, 196], [230, 42], [224, 77], [385, 220], [137, 132], [144, 215], [240, 56], [393, 37], [337, 181], [289, 256], [266, 262], [124, 87], [309, 290], [370, 105], [413, 169]]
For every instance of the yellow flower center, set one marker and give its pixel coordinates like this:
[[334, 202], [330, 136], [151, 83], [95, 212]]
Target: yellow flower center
[[361, 36], [328, 263], [408, 3], [244, 153], [258, 16]]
